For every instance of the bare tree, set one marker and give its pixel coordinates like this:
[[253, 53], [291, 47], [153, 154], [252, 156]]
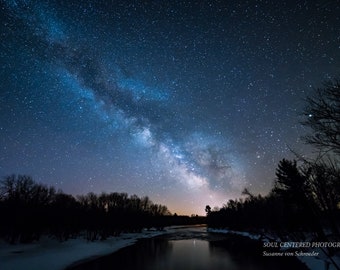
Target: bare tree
[[323, 117]]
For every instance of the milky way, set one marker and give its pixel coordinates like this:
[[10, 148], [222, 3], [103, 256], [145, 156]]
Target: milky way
[[186, 102]]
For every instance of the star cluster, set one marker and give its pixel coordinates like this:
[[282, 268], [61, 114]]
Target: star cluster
[[187, 102]]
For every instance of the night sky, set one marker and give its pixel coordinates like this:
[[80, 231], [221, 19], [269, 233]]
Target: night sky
[[186, 102]]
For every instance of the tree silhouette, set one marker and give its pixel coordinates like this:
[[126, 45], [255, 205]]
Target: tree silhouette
[[323, 117], [208, 209], [24, 205], [289, 180], [29, 209]]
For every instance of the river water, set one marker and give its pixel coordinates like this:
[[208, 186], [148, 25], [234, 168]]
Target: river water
[[191, 248]]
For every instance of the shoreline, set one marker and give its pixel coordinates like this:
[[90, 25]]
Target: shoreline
[[54, 255]]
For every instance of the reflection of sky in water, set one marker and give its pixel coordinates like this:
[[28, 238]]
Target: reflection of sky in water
[[196, 254]]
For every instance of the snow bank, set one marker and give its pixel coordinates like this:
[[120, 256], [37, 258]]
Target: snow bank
[[51, 254], [246, 234]]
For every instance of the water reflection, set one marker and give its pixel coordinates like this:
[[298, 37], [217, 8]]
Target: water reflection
[[196, 253]]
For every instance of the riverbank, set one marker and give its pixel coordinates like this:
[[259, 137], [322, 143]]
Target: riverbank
[[54, 255]]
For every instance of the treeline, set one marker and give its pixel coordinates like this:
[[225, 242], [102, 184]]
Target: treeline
[[29, 210], [305, 198]]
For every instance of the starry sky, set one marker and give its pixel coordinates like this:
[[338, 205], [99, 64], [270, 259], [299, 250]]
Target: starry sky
[[186, 102]]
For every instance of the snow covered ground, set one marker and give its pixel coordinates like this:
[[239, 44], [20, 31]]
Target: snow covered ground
[[51, 254]]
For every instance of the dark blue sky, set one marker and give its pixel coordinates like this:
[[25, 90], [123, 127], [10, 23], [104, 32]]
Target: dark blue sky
[[187, 102]]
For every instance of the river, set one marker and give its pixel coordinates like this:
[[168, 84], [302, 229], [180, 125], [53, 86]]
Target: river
[[191, 248]]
